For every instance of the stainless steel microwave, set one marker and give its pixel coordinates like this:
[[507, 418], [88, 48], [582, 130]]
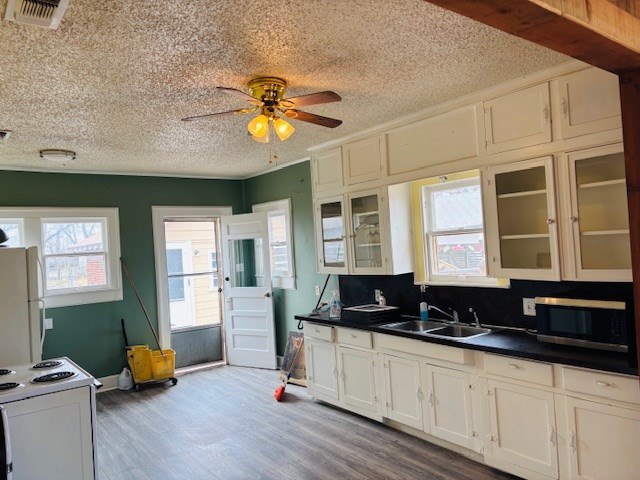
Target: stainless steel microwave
[[599, 324]]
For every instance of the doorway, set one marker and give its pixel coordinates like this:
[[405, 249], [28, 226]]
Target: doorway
[[189, 276]]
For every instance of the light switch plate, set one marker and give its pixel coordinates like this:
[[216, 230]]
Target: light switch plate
[[48, 323], [376, 294], [317, 290], [529, 306]]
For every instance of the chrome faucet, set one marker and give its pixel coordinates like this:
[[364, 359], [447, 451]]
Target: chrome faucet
[[453, 315], [476, 322]]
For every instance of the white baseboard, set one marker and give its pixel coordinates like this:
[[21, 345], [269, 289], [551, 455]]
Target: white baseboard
[[108, 383]]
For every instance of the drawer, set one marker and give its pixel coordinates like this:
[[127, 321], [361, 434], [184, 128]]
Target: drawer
[[602, 384], [321, 332], [355, 338], [518, 369], [435, 351]]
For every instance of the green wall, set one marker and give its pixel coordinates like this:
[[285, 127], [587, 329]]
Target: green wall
[[292, 182], [91, 334]]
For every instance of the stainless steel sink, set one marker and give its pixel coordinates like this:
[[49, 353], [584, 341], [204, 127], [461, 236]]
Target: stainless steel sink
[[417, 326], [458, 331], [432, 329]]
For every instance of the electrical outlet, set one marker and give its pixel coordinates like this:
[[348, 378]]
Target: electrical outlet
[[48, 323], [317, 290], [376, 294], [529, 307]]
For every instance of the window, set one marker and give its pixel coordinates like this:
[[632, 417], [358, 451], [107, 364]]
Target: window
[[79, 250], [280, 242], [214, 268], [452, 231]]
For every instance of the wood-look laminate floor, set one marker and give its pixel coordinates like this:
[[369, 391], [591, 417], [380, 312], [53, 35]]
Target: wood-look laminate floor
[[223, 424]]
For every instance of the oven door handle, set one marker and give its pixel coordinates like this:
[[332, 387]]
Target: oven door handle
[[6, 465]]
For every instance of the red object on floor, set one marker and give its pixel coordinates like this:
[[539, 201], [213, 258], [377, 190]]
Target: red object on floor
[[279, 393]]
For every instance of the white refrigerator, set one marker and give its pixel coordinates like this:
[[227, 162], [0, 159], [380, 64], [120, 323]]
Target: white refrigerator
[[19, 307]]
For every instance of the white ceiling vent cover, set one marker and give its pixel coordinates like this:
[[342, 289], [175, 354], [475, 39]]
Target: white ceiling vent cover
[[42, 13]]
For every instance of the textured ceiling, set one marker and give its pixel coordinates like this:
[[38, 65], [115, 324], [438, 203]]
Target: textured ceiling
[[113, 82]]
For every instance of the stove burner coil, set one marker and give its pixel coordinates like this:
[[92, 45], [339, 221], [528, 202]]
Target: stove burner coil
[[53, 377], [5, 371], [8, 386], [47, 364]]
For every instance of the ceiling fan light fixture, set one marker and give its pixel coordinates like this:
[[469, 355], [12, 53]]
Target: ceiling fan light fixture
[[283, 128], [57, 155], [261, 139], [259, 126]]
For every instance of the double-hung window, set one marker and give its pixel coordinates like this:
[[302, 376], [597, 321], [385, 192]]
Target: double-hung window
[[452, 239], [79, 250], [280, 242]]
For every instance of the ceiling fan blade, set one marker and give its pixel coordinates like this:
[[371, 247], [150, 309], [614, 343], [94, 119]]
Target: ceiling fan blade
[[314, 98], [312, 118], [239, 111], [239, 93]]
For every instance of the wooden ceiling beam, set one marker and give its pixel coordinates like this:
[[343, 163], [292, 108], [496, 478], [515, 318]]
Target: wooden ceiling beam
[[603, 33]]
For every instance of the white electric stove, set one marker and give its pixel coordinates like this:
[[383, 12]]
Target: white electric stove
[[42, 378], [40, 404]]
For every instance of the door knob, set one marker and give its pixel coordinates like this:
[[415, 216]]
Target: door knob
[[226, 279], [267, 295]]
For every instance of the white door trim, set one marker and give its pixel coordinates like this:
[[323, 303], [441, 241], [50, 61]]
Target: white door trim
[[159, 214]]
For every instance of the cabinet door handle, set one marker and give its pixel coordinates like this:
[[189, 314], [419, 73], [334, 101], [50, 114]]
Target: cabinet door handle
[[431, 402], [514, 366], [573, 219], [550, 221], [552, 435], [602, 383], [546, 113], [565, 107], [419, 394], [492, 438], [572, 442]]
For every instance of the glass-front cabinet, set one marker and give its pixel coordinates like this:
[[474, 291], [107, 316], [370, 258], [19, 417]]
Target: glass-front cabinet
[[331, 235], [597, 215], [521, 220], [366, 253], [352, 234]]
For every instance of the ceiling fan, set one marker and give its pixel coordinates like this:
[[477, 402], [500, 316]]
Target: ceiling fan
[[266, 96]]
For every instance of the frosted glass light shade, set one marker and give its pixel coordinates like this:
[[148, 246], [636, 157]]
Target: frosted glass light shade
[[283, 128], [259, 126]]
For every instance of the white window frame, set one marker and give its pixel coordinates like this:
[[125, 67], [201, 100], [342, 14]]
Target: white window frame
[[19, 222], [427, 239], [32, 219], [287, 281]]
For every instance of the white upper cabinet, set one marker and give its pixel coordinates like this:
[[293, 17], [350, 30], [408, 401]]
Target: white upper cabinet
[[364, 160], [331, 235], [519, 119], [586, 102], [520, 224], [440, 139], [596, 218], [326, 170], [365, 233]]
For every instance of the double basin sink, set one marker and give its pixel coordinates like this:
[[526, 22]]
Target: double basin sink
[[433, 328]]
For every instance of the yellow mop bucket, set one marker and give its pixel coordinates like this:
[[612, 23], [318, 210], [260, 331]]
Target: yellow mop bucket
[[146, 364]]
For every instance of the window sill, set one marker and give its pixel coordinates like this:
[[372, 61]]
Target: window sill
[[83, 298]]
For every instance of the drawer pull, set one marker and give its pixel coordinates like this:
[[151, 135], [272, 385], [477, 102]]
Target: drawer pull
[[317, 330], [353, 335], [602, 383], [514, 366]]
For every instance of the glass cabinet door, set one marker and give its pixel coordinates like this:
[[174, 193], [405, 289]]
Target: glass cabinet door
[[599, 214], [527, 231], [330, 228], [366, 233]]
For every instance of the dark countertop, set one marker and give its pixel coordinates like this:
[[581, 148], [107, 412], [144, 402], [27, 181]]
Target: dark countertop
[[509, 342]]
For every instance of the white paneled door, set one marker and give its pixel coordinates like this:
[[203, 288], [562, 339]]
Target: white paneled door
[[249, 323]]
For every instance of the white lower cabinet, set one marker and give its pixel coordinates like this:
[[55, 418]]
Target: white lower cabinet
[[403, 393], [448, 412], [357, 378], [322, 372], [534, 419], [597, 441], [522, 429]]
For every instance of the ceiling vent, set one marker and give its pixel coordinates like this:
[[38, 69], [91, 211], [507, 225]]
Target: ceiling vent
[[42, 13]]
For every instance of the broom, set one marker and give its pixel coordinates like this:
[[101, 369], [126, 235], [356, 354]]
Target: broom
[[279, 393]]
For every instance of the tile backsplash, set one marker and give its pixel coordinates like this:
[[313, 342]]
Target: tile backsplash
[[497, 306]]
